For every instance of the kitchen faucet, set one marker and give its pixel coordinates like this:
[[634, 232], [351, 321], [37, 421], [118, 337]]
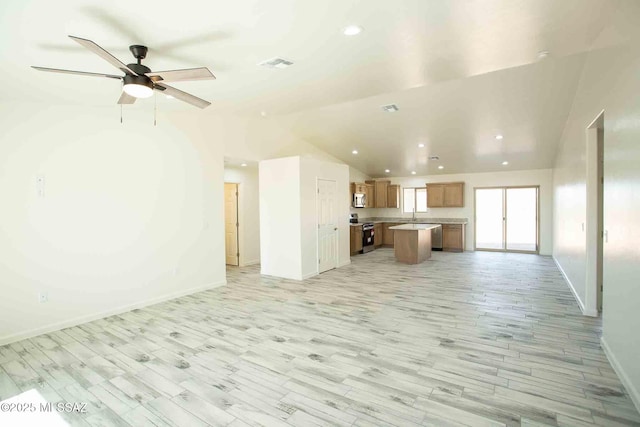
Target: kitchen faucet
[[413, 214]]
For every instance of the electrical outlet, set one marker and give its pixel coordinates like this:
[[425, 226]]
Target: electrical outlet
[[43, 297]]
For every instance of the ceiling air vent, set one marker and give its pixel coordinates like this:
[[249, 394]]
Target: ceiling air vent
[[276, 63], [391, 108], [434, 158]]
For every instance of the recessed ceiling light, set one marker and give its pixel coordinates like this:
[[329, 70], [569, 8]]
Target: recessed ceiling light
[[276, 63], [243, 165], [413, 172], [351, 30], [440, 167], [387, 171], [421, 145], [391, 108], [170, 97], [499, 137], [505, 163], [263, 113], [543, 54], [354, 152]]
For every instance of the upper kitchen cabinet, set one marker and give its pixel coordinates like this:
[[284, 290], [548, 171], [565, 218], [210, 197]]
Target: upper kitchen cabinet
[[445, 195], [370, 192], [381, 188], [393, 196], [358, 187]]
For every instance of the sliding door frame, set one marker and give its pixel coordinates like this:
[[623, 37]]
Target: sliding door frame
[[505, 219]]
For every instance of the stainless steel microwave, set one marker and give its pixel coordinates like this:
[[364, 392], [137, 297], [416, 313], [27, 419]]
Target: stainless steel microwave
[[359, 200]]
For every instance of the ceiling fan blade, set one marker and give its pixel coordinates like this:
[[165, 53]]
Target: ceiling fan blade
[[125, 98], [201, 73], [182, 96], [93, 47], [82, 73]]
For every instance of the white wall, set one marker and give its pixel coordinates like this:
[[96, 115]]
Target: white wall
[[288, 215], [131, 213], [609, 81], [248, 211], [280, 221], [541, 177], [312, 170]]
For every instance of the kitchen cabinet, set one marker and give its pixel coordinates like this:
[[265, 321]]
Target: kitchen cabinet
[[393, 196], [387, 234], [356, 239], [445, 195], [453, 237], [358, 187], [377, 235], [380, 190], [370, 191]]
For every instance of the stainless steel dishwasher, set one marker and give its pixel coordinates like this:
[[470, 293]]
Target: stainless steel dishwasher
[[436, 238]]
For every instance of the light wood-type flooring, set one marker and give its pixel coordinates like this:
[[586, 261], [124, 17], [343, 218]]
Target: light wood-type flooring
[[477, 339]]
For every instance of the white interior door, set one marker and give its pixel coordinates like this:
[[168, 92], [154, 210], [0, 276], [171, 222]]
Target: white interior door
[[327, 226], [231, 223]]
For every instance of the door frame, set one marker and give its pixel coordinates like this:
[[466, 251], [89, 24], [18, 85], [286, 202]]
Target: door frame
[[594, 218], [505, 219], [237, 184], [318, 228]]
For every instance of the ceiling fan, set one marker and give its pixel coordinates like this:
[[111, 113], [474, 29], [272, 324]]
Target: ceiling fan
[[138, 80]]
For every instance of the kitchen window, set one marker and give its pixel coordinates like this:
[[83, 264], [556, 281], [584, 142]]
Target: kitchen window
[[414, 198]]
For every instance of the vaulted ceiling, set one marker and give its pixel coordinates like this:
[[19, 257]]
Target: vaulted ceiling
[[460, 71]]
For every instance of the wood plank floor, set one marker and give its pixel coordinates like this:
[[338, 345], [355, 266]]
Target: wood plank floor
[[477, 339]]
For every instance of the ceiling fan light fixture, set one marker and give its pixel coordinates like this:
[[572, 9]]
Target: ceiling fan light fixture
[[138, 86]]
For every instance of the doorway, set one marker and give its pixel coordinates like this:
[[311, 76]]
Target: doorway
[[506, 219], [594, 230], [231, 224], [327, 225]]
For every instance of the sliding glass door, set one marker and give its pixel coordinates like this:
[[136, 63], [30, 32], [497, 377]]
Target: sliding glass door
[[506, 219]]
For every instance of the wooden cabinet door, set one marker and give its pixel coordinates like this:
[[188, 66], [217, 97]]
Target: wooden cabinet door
[[356, 239], [377, 235], [387, 235], [435, 195], [453, 237], [381, 193], [393, 196], [453, 195], [370, 201]]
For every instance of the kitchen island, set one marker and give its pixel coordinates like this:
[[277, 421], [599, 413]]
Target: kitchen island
[[412, 242]]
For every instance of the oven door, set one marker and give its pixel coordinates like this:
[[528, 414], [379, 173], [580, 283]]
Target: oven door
[[367, 239]]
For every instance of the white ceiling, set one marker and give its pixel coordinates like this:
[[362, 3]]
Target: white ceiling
[[460, 70]]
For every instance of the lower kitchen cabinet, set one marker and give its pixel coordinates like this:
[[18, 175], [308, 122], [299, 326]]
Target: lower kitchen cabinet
[[387, 235], [356, 239], [377, 235], [453, 237]]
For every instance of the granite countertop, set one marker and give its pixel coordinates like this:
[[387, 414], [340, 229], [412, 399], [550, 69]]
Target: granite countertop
[[378, 220], [414, 227]]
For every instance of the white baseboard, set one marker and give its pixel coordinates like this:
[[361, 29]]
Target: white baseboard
[[309, 275], [252, 262], [7, 339], [592, 313], [634, 393], [343, 263]]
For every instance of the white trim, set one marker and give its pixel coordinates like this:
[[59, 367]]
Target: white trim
[[309, 275], [7, 339], [634, 393], [252, 262], [592, 313], [342, 264]]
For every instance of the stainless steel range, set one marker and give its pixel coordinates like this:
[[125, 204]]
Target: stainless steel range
[[368, 233]]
